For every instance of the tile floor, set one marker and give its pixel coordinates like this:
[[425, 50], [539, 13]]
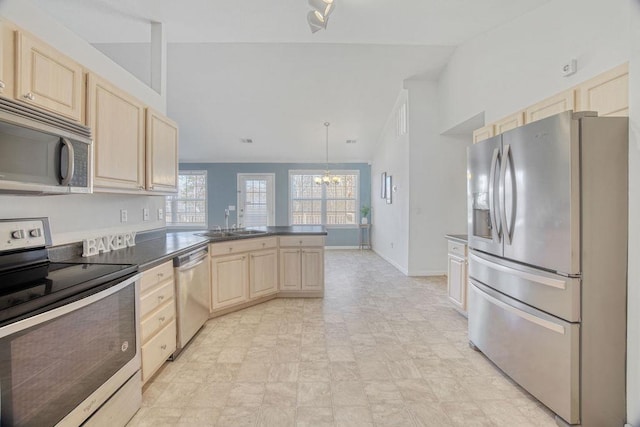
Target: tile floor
[[380, 349]]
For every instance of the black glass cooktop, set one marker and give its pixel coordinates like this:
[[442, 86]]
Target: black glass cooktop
[[32, 290]]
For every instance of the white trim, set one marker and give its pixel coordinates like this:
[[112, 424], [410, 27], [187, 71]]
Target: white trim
[[426, 273], [392, 262], [336, 248]]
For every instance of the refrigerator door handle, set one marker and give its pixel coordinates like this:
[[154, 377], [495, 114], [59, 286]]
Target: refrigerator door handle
[[496, 226], [503, 209]]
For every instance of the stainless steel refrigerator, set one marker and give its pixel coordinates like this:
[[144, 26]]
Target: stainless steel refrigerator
[[547, 217]]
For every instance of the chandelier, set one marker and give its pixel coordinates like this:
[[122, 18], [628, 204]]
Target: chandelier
[[319, 16], [327, 178]]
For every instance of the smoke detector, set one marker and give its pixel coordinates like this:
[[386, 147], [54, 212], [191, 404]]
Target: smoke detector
[[246, 140]]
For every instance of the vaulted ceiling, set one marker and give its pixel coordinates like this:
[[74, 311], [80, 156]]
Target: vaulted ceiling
[[252, 69]]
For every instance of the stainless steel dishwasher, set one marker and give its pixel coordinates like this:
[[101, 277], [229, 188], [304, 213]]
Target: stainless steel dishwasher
[[193, 289]]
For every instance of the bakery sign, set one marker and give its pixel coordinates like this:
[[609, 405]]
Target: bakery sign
[[100, 245]]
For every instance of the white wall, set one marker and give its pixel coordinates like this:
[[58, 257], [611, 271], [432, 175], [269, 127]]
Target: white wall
[[133, 57], [73, 218], [33, 19], [633, 295], [518, 64], [437, 182], [390, 223], [429, 171]]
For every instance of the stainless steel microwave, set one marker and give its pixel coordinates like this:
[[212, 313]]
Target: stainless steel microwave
[[42, 153]]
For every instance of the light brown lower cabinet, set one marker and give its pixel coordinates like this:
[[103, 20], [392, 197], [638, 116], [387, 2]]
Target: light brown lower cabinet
[[263, 273], [229, 280], [302, 264], [457, 275], [157, 318]]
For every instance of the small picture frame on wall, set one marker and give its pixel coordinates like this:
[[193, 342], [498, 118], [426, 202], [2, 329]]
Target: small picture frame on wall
[[389, 189], [383, 185]]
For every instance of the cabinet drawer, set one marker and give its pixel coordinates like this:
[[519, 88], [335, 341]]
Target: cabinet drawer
[[158, 274], [296, 241], [457, 248], [155, 298], [246, 245], [157, 319], [158, 349]]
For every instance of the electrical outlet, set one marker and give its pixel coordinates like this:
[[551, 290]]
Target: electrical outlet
[[232, 208], [123, 215], [160, 214], [145, 214], [392, 244]]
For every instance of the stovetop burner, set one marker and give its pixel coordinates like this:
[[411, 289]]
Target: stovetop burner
[[30, 284]]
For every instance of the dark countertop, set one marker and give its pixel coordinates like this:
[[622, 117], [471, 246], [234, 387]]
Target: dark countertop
[[462, 238], [150, 252]]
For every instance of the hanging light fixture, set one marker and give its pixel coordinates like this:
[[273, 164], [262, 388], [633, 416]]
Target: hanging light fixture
[[319, 16], [327, 178]]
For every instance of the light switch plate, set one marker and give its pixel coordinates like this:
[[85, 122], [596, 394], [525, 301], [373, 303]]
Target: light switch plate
[[232, 208], [145, 214], [160, 214], [123, 215]]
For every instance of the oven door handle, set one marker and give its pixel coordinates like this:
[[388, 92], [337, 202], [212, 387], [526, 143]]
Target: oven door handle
[[29, 322]]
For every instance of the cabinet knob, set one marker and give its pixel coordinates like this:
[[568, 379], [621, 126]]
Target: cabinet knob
[[141, 187], [230, 249], [29, 96], [160, 297], [300, 241], [163, 347], [161, 319], [160, 275], [263, 243], [2, 85], [89, 406]]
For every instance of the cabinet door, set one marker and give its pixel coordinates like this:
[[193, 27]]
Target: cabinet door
[[162, 153], [511, 122], [312, 269], [48, 79], [229, 281], [263, 273], [456, 285], [608, 93], [483, 133], [290, 269], [117, 121], [6, 60], [563, 101]]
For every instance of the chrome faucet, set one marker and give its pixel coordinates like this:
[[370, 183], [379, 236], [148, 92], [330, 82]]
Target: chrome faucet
[[226, 218]]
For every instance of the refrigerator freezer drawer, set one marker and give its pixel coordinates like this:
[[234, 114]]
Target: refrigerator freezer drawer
[[551, 293], [540, 352]]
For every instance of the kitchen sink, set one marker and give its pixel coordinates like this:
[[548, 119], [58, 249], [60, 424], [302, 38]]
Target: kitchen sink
[[214, 234], [247, 232]]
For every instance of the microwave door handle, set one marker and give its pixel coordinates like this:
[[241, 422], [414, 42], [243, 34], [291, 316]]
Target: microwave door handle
[[506, 156], [496, 227], [67, 175]]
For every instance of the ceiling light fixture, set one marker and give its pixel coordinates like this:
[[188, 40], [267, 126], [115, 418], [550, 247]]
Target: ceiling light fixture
[[319, 16], [327, 178]]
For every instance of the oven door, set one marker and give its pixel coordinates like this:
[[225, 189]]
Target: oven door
[[58, 367]]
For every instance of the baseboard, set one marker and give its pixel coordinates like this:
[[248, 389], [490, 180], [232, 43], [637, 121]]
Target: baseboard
[[393, 263], [427, 273], [333, 248]]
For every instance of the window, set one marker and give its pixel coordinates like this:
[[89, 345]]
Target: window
[[331, 205], [188, 207]]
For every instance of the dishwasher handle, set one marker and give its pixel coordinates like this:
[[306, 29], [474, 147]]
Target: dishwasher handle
[[189, 260]]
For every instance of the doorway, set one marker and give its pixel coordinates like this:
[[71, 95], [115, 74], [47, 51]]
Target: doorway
[[256, 200]]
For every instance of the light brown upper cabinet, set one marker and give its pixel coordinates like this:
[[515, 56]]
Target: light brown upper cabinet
[[117, 121], [510, 122], [483, 133], [6, 60], [564, 101], [608, 93], [48, 79], [162, 153]]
